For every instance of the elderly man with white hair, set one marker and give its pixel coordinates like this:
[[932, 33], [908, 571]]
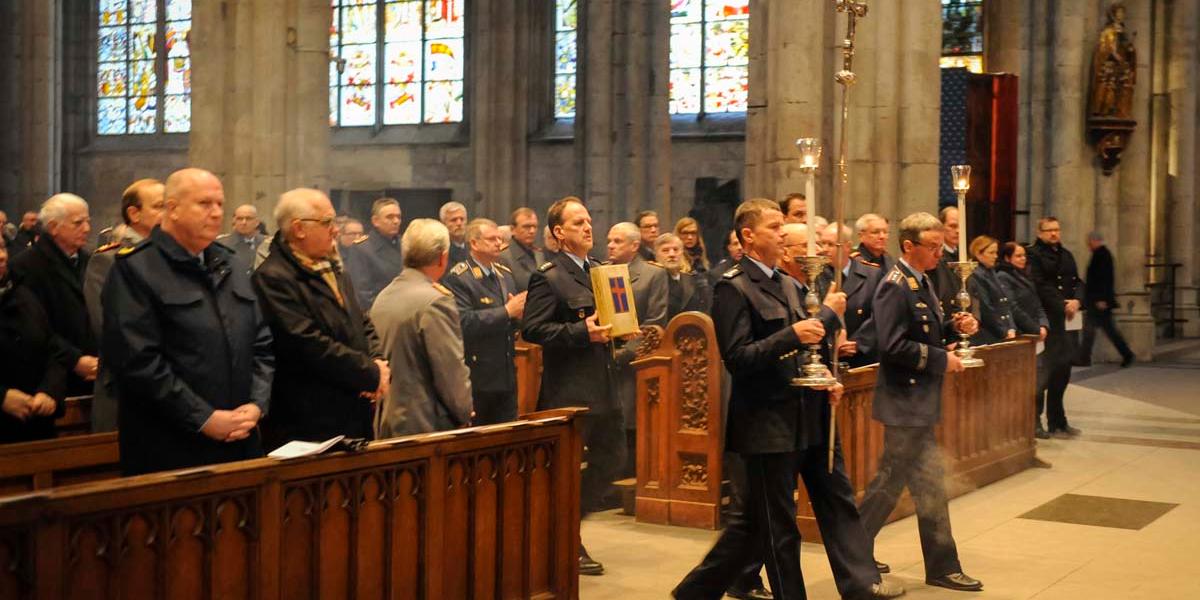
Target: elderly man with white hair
[[53, 270], [454, 216], [329, 369], [418, 324]]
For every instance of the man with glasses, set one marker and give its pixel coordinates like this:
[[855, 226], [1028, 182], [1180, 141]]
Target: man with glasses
[[329, 367], [913, 361], [53, 270], [246, 237], [375, 260], [858, 282], [349, 233], [647, 223], [1056, 277], [522, 256]]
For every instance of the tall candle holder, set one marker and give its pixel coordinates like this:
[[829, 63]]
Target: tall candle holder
[[965, 267], [816, 375]]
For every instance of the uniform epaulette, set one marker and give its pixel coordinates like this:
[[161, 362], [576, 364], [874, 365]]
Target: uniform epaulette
[[476, 272], [606, 263], [361, 240], [108, 247], [441, 288], [546, 266], [857, 256], [734, 272], [459, 268], [895, 276], [655, 263], [128, 250], [502, 267]]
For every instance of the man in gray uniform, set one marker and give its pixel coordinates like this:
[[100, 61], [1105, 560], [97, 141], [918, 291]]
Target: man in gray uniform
[[522, 256], [375, 260], [142, 206], [491, 310], [245, 238], [417, 323]]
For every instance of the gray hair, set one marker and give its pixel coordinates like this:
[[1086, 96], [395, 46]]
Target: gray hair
[[253, 209], [861, 224], [292, 205], [789, 228], [450, 207], [475, 227], [1095, 236], [54, 209], [628, 230], [818, 221], [666, 238], [424, 243], [845, 231], [915, 224]]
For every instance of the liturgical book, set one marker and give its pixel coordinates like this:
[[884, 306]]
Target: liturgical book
[[614, 299]]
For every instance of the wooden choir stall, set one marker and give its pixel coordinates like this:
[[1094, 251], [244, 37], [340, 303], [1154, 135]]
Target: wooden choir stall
[[489, 512], [986, 431]]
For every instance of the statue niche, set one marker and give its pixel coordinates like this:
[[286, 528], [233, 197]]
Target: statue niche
[[1110, 101]]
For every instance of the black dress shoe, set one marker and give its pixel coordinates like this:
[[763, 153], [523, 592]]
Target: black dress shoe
[[758, 593], [1128, 360], [1040, 432], [885, 591], [587, 566], [882, 568], [958, 582]]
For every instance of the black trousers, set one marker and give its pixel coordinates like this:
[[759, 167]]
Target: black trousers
[[771, 530], [494, 407], [1061, 350], [604, 453], [912, 459], [1104, 320]]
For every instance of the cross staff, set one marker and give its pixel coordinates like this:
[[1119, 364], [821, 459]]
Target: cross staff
[[855, 10]]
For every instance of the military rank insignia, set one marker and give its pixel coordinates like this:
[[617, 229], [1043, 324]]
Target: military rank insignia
[[912, 284], [485, 300]]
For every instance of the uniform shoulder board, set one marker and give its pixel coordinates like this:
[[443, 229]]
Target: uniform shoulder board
[[128, 250], [734, 272], [459, 268], [895, 276], [546, 266], [606, 263], [655, 263], [476, 271], [858, 258], [361, 240], [108, 247], [502, 267], [441, 288]]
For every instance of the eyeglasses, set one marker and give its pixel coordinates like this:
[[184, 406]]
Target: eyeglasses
[[326, 222]]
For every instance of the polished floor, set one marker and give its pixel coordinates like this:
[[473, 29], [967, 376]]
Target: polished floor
[[1118, 515]]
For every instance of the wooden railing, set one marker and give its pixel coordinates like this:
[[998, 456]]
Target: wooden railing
[[42, 465], [491, 512], [529, 376], [680, 427], [77, 417]]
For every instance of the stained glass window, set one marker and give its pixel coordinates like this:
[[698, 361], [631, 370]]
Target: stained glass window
[[710, 56], [403, 62], [962, 34], [566, 56], [144, 67]]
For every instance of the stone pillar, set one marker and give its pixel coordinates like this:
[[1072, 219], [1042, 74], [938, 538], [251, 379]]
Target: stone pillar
[[32, 142], [500, 41], [1181, 189], [260, 104], [894, 106], [622, 131]]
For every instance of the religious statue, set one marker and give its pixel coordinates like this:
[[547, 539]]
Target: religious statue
[[1110, 103]]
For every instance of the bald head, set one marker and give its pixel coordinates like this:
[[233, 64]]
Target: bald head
[[195, 208], [305, 218], [624, 239], [245, 220]]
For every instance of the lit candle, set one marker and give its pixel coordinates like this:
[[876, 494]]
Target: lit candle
[[962, 184], [810, 197], [810, 157]]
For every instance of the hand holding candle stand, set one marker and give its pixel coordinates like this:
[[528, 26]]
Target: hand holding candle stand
[[961, 174]]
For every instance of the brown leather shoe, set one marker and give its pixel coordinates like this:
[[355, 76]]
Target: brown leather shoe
[[886, 589], [958, 582]]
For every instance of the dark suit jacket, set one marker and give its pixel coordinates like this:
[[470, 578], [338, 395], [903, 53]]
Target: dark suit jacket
[[946, 282], [753, 318], [912, 351], [27, 362], [183, 339], [522, 262], [324, 353], [575, 371], [458, 253], [1056, 277], [488, 333], [1100, 284], [995, 308], [372, 264], [1027, 309], [45, 271], [684, 294]]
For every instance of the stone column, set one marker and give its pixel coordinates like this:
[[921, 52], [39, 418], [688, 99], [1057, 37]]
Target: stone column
[[500, 106], [1182, 82], [260, 104], [34, 89], [622, 131]]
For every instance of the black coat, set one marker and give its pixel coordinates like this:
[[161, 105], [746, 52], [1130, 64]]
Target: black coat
[[912, 352], [1056, 278], [45, 271], [1101, 284], [753, 318], [946, 282], [27, 363], [372, 263], [183, 339], [995, 308], [685, 294], [1026, 307], [488, 333], [522, 262], [575, 371], [324, 353]]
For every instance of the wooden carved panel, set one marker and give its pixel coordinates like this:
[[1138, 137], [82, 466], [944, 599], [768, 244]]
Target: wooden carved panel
[[693, 377], [693, 472], [16, 579]]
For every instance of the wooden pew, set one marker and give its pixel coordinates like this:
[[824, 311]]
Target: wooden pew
[[679, 427], [986, 433], [64, 461], [77, 417], [529, 376], [491, 512]]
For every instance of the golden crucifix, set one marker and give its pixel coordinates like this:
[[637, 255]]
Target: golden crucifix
[[855, 10]]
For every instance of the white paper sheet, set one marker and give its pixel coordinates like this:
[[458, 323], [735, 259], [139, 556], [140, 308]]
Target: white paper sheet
[[1075, 323], [296, 449]]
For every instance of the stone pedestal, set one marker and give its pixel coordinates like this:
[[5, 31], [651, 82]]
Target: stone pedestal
[[260, 104]]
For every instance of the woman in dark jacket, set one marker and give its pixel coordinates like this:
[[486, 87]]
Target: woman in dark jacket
[[1023, 299], [327, 358], [995, 315], [32, 382], [688, 230]]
